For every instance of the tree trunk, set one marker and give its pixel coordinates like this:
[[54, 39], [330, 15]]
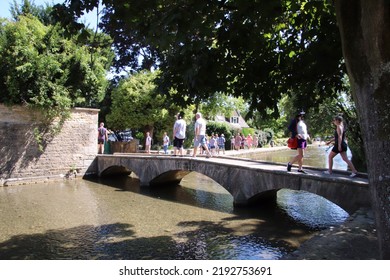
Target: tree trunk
[[365, 34]]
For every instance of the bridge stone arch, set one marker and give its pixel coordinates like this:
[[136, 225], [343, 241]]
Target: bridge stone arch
[[238, 181], [244, 180], [115, 169]]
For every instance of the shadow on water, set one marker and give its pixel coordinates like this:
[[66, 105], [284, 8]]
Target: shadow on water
[[238, 234], [83, 242], [118, 241], [262, 231], [311, 211], [173, 193]]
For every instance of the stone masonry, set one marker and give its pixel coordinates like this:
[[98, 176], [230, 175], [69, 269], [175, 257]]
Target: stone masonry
[[248, 181], [70, 152]]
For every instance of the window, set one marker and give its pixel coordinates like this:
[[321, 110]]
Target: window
[[234, 120]]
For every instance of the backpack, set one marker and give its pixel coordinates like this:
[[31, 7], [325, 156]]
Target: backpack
[[102, 131]]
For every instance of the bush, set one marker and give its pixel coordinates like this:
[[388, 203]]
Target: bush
[[41, 68]]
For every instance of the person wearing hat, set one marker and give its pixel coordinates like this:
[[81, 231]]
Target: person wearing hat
[[298, 129]]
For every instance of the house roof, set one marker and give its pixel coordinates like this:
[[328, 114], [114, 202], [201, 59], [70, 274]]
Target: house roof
[[241, 122]]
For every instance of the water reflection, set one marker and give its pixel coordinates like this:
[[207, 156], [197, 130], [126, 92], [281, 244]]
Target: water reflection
[[116, 218], [310, 209], [267, 232]]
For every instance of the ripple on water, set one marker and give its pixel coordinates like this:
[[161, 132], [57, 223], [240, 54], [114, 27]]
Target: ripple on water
[[310, 209], [204, 246]]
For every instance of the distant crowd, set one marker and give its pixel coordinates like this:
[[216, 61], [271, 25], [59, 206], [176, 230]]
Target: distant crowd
[[215, 144]]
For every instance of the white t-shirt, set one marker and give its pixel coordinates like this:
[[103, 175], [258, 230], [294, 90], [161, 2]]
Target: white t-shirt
[[180, 129], [201, 125], [302, 129], [166, 140]]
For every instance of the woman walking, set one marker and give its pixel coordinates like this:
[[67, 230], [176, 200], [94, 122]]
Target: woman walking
[[298, 129], [340, 146], [148, 142]]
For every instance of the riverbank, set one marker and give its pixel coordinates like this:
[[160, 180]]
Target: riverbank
[[356, 239]]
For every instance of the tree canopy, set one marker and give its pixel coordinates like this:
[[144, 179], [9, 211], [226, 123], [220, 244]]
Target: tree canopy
[[258, 50], [40, 66], [28, 7], [137, 104]]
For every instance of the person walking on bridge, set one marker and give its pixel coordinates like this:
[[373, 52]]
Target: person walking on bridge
[[340, 146], [179, 134], [148, 142], [165, 143], [200, 135], [298, 129]]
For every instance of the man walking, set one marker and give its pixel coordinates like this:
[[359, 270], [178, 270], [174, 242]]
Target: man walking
[[179, 134], [200, 135]]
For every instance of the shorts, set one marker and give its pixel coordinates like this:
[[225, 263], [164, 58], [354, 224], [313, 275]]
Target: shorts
[[221, 147], [100, 141], [302, 144], [200, 140], [344, 148], [178, 143]]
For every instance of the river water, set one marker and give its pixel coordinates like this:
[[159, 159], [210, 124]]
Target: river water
[[116, 218]]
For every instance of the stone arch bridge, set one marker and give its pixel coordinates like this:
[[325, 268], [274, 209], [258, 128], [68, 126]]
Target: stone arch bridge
[[246, 180]]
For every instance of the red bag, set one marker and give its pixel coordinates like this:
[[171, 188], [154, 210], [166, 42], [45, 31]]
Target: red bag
[[292, 143]]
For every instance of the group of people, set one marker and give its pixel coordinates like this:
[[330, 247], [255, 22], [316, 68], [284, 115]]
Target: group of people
[[240, 141], [216, 143], [200, 139], [179, 134], [298, 130]]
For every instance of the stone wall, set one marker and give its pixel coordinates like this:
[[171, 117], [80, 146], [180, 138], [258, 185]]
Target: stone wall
[[68, 153]]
